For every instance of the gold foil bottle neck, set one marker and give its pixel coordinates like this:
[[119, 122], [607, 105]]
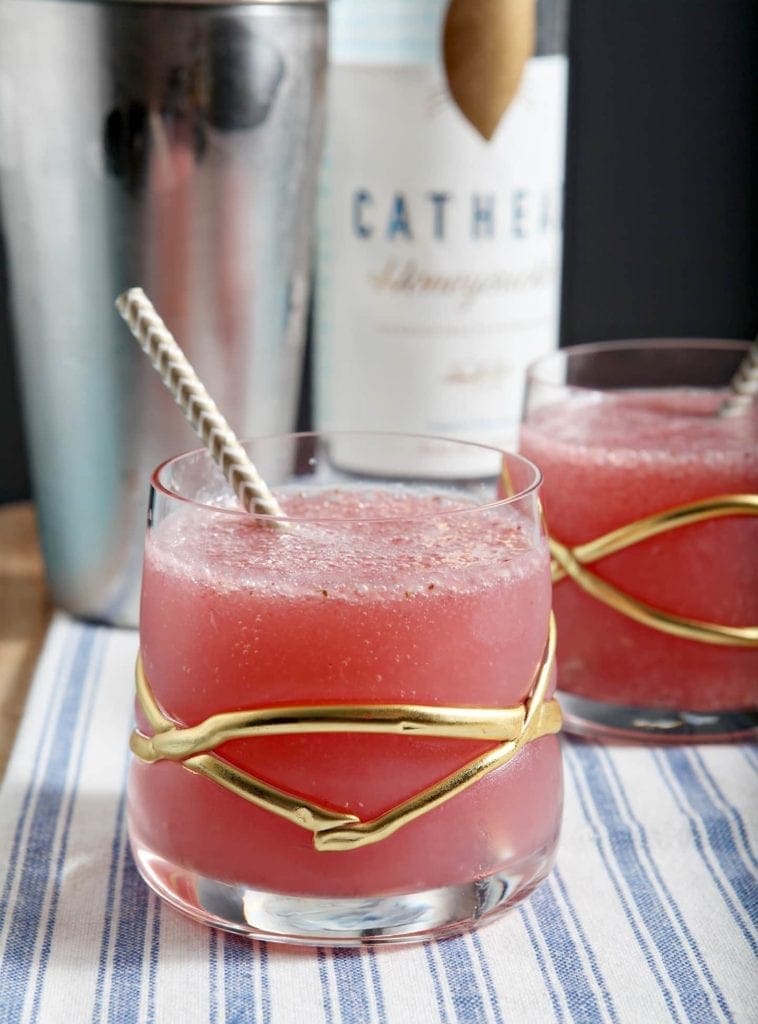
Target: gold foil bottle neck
[[485, 45]]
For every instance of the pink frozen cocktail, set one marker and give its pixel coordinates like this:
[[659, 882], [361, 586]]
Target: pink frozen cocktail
[[613, 456], [382, 594]]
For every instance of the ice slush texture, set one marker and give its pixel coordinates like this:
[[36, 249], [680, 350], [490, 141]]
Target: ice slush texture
[[391, 596], [608, 461]]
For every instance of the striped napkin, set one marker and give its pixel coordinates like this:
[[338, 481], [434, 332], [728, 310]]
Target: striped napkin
[[650, 914]]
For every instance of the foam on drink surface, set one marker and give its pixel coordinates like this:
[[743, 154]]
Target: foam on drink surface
[[610, 459], [635, 427], [350, 542]]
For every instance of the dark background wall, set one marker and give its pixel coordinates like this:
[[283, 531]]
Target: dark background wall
[[661, 225], [14, 477]]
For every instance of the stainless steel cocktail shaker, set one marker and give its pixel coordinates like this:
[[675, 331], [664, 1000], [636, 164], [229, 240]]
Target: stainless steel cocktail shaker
[[174, 146]]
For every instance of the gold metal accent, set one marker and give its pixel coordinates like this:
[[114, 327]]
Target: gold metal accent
[[334, 830], [572, 562], [506, 483]]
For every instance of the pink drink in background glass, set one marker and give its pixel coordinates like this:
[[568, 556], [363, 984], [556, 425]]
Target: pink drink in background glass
[[609, 459], [382, 594]]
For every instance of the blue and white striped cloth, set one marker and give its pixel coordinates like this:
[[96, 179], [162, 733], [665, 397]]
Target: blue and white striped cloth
[[650, 914]]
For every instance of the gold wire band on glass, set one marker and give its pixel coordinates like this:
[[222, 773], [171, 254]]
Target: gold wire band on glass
[[572, 562], [334, 830]]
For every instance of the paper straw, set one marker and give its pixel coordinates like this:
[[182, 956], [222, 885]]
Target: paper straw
[[197, 405], [743, 385]]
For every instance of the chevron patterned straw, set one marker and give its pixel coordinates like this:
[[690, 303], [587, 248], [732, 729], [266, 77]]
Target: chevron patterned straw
[[743, 385], [197, 405]]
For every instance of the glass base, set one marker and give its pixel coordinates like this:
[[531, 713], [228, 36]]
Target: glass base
[[340, 921], [599, 720]]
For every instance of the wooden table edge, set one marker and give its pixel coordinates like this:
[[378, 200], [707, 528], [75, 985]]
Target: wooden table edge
[[25, 611]]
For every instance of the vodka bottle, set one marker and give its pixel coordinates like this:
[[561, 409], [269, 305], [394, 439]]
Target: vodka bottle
[[439, 243]]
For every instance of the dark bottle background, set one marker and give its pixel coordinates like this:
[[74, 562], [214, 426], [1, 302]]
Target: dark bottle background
[[661, 222]]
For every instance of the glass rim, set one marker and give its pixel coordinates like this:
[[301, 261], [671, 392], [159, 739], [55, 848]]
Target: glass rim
[[158, 486], [534, 376]]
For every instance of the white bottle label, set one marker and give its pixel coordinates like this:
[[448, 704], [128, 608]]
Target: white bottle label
[[439, 260]]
